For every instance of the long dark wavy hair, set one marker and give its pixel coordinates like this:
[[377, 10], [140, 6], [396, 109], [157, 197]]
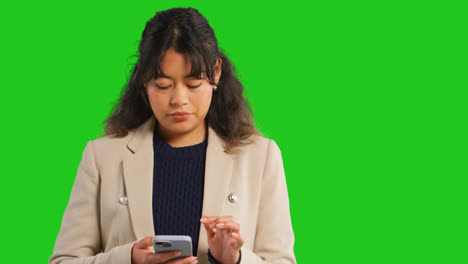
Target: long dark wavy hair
[[188, 32]]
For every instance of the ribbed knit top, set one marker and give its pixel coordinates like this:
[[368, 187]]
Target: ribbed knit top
[[178, 184]]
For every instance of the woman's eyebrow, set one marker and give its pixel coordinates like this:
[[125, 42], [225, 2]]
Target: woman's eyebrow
[[186, 76]]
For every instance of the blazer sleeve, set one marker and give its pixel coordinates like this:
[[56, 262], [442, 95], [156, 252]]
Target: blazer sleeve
[[79, 238], [274, 239]]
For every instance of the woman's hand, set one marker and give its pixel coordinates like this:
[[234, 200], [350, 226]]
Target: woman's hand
[[141, 254], [224, 239]]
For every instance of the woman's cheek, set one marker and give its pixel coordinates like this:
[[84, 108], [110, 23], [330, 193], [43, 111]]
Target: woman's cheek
[[207, 99], [157, 102]]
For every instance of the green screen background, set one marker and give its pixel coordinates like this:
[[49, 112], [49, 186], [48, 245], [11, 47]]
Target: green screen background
[[367, 101]]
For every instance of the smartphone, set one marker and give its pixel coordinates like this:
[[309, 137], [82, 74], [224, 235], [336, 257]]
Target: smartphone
[[170, 243]]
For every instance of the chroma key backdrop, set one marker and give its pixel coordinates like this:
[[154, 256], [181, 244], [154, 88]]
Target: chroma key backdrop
[[367, 101]]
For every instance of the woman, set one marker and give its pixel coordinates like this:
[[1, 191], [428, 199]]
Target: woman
[[180, 156]]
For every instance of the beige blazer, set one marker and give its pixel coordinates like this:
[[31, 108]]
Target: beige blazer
[[97, 227]]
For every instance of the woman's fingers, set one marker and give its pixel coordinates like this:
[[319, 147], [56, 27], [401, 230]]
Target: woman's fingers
[[211, 223], [223, 219], [208, 224], [187, 260], [208, 219], [233, 239], [215, 219], [233, 226], [210, 231], [239, 239], [162, 257]]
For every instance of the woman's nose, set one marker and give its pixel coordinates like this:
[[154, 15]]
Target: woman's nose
[[179, 95]]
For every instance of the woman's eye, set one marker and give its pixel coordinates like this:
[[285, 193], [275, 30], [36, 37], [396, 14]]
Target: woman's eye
[[162, 87], [165, 87], [194, 86]]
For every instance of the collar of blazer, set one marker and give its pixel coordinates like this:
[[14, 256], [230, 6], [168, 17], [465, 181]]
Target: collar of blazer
[[138, 177]]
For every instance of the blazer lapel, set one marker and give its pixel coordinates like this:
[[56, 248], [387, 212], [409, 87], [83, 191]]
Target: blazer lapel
[[138, 175], [218, 172]]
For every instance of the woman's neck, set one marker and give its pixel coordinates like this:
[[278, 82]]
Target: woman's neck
[[190, 138]]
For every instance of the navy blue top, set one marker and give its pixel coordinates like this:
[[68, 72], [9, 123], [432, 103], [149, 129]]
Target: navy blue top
[[178, 184]]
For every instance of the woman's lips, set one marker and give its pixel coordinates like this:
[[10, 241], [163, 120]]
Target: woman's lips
[[180, 115]]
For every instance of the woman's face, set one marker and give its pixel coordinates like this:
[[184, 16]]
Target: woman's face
[[180, 102]]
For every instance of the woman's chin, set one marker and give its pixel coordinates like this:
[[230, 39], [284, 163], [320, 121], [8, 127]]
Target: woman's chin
[[179, 128]]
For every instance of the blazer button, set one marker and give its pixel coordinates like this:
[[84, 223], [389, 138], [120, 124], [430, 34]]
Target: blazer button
[[124, 200], [233, 198]]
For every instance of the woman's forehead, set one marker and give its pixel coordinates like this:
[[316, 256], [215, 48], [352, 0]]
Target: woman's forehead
[[172, 64], [190, 75]]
